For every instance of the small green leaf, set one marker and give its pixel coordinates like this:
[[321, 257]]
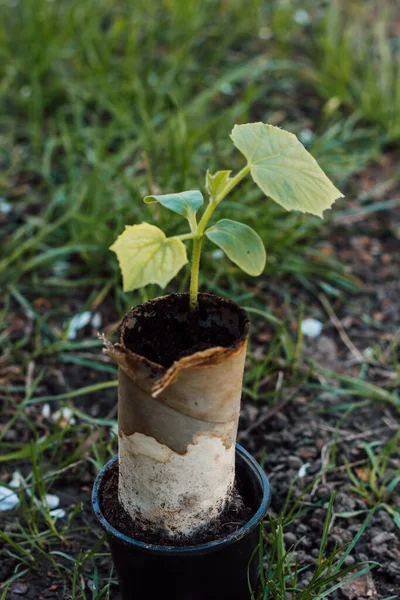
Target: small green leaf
[[182, 203], [241, 244], [146, 256], [283, 169], [216, 183]]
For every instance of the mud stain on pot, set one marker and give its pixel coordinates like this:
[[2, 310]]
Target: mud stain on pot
[[165, 478], [235, 514]]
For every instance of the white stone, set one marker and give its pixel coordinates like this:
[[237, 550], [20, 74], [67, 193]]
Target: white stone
[[46, 411], [311, 327], [302, 17], [8, 499], [306, 136], [78, 322], [52, 501], [96, 320], [66, 414], [303, 470], [57, 513], [5, 207], [16, 480]]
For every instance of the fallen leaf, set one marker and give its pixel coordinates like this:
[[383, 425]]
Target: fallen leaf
[[20, 588], [42, 303], [327, 250], [362, 473], [378, 316], [265, 337], [362, 587]]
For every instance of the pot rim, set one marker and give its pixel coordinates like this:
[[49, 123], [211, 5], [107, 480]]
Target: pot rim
[[235, 536]]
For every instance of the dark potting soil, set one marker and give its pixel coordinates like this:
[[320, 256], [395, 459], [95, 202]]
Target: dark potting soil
[[234, 515], [167, 329]]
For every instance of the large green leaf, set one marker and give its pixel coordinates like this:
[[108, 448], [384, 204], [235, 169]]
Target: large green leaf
[[146, 256], [240, 243], [283, 169], [183, 203]]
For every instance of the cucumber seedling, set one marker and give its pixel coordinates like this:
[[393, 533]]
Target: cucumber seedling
[[278, 163], [181, 367]]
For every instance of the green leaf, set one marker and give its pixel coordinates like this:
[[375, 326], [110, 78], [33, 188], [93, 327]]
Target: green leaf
[[217, 182], [240, 243], [395, 514], [182, 203], [283, 169], [146, 256]]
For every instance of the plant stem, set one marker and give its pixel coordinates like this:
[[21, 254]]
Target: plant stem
[[198, 238], [194, 278], [184, 236], [233, 183]]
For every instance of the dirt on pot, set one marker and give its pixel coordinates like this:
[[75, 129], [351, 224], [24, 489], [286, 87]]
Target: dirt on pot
[[236, 513]]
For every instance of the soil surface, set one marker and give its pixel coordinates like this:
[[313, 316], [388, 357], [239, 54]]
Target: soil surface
[[167, 329], [235, 515], [306, 438]]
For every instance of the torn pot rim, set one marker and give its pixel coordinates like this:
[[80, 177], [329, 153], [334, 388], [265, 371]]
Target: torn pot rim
[[164, 376]]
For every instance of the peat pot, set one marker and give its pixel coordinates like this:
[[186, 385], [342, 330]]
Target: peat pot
[[217, 570]]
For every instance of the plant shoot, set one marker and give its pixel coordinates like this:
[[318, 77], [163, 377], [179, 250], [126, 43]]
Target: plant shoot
[[281, 167]]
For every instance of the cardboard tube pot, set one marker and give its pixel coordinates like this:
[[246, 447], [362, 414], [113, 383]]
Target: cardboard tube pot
[[180, 385], [218, 570]]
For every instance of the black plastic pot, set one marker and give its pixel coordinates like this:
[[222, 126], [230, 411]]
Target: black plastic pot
[[218, 570]]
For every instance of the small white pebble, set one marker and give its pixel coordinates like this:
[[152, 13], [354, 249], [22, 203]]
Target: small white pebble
[[78, 322], [301, 17], [306, 136], [25, 91], [265, 33], [52, 501], [16, 480], [65, 414], [5, 207], [311, 327], [60, 268], [226, 88], [8, 499], [303, 470], [57, 513], [96, 320], [46, 412]]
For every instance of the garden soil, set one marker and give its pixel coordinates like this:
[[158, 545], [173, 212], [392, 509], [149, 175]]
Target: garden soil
[[295, 439]]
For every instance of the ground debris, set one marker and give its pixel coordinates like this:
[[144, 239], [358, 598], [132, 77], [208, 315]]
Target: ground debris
[[362, 587]]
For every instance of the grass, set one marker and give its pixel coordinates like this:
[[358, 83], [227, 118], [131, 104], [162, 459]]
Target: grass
[[282, 573], [377, 482], [349, 54], [112, 108], [359, 63], [99, 108]]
